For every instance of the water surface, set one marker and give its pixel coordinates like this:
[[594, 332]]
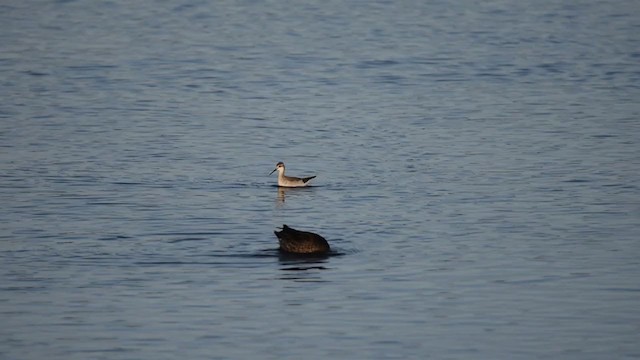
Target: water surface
[[477, 169]]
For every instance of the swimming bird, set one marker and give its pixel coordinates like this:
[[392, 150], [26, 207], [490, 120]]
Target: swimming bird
[[289, 181], [301, 242]]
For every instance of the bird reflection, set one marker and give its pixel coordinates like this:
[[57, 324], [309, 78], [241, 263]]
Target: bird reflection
[[282, 191], [302, 269]]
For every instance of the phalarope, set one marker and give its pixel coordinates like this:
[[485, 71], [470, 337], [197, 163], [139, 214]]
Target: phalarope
[[289, 181], [301, 242]]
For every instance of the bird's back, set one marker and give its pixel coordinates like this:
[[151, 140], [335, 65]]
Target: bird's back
[[301, 242], [292, 181]]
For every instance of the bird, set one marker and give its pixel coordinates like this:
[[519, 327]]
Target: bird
[[290, 181], [301, 242]]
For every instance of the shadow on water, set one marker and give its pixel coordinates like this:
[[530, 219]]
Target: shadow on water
[[292, 257], [294, 267], [304, 267], [296, 264], [292, 262], [282, 256]]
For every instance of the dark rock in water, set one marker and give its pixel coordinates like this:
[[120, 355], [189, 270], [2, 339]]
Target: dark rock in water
[[301, 242]]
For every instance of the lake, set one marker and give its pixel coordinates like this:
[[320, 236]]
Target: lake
[[477, 170]]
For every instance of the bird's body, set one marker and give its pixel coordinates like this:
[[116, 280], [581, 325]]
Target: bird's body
[[290, 181], [301, 242]]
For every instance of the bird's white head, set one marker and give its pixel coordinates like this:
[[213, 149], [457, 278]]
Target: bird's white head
[[279, 168]]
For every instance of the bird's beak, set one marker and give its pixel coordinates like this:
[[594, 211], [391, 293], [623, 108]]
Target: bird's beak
[[273, 171]]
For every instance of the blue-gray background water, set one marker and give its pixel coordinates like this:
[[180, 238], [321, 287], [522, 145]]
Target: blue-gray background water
[[478, 171]]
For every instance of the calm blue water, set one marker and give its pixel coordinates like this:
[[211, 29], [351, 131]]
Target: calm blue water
[[477, 167]]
